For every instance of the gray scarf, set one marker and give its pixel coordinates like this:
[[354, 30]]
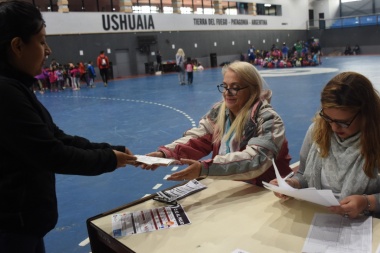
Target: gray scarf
[[343, 167]]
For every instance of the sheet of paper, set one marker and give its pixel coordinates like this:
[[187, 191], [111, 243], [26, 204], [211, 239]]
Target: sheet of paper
[[124, 224], [321, 197], [333, 233], [281, 182], [150, 160]]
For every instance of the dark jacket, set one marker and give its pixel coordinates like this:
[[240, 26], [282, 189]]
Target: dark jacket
[[32, 150]]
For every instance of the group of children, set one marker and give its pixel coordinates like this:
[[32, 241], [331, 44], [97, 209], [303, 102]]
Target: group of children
[[301, 54], [58, 77], [293, 61]]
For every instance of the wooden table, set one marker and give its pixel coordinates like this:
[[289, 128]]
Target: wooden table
[[226, 216]]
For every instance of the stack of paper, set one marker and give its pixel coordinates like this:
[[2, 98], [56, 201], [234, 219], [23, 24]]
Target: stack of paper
[[148, 220], [180, 192], [151, 160], [332, 233]]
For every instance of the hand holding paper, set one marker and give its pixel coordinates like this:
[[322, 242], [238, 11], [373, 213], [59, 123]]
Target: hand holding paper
[[151, 160], [321, 197]]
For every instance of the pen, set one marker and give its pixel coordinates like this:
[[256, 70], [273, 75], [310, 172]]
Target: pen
[[289, 175]]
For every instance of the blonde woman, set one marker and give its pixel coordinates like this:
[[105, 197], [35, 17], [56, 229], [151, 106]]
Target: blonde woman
[[180, 61], [243, 132]]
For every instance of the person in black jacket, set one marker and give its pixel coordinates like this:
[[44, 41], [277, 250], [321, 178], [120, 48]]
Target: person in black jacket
[[32, 147]]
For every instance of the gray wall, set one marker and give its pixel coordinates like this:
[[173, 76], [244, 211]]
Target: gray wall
[[335, 40], [66, 48]]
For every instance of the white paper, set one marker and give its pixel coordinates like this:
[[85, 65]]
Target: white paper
[[333, 233], [150, 160], [321, 197]]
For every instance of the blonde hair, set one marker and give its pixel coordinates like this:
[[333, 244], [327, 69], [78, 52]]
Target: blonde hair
[[352, 91], [248, 76], [181, 52]]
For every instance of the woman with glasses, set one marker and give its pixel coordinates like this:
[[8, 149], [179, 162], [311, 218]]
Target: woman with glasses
[[341, 150], [243, 132]]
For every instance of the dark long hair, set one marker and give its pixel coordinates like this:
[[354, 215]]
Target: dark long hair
[[17, 19]]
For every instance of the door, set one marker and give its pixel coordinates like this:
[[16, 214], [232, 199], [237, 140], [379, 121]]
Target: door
[[123, 66]]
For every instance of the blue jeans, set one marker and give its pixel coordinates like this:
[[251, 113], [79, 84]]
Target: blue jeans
[[20, 243]]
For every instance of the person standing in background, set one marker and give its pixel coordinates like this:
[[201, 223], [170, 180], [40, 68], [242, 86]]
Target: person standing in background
[[32, 147], [103, 65], [83, 72], [180, 61], [285, 51], [189, 70], [251, 54], [159, 60], [91, 74]]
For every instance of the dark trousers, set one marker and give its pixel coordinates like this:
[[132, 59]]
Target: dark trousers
[[189, 77], [20, 243], [104, 75]]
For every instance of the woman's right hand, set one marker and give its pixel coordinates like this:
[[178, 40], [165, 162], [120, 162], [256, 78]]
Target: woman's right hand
[[279, 195]]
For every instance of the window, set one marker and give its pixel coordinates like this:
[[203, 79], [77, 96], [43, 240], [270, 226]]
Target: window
[[269, 9]]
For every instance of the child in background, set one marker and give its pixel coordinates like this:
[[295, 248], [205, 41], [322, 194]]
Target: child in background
[[74, 73], [82, 72], [41, 81], [189, 70], [60, 78], [53, 79], [91, 74]]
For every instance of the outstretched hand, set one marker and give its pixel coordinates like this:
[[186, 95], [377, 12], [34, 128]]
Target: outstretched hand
[[193, 171], [123, 159]]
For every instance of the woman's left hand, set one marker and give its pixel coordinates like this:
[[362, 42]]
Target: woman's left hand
[[350, 207], [191, 172]]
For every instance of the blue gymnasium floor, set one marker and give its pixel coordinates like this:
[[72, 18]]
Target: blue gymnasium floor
[[146, 112]]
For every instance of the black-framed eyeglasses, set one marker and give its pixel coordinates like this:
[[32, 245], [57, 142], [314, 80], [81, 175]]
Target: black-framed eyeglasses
[[233, 91], [339, 123]]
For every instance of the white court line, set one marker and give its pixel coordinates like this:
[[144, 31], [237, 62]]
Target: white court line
[[174, 168], [166, 177], [84, 242], [131, 100], [157, 186], [146, 195], [296, 71]]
